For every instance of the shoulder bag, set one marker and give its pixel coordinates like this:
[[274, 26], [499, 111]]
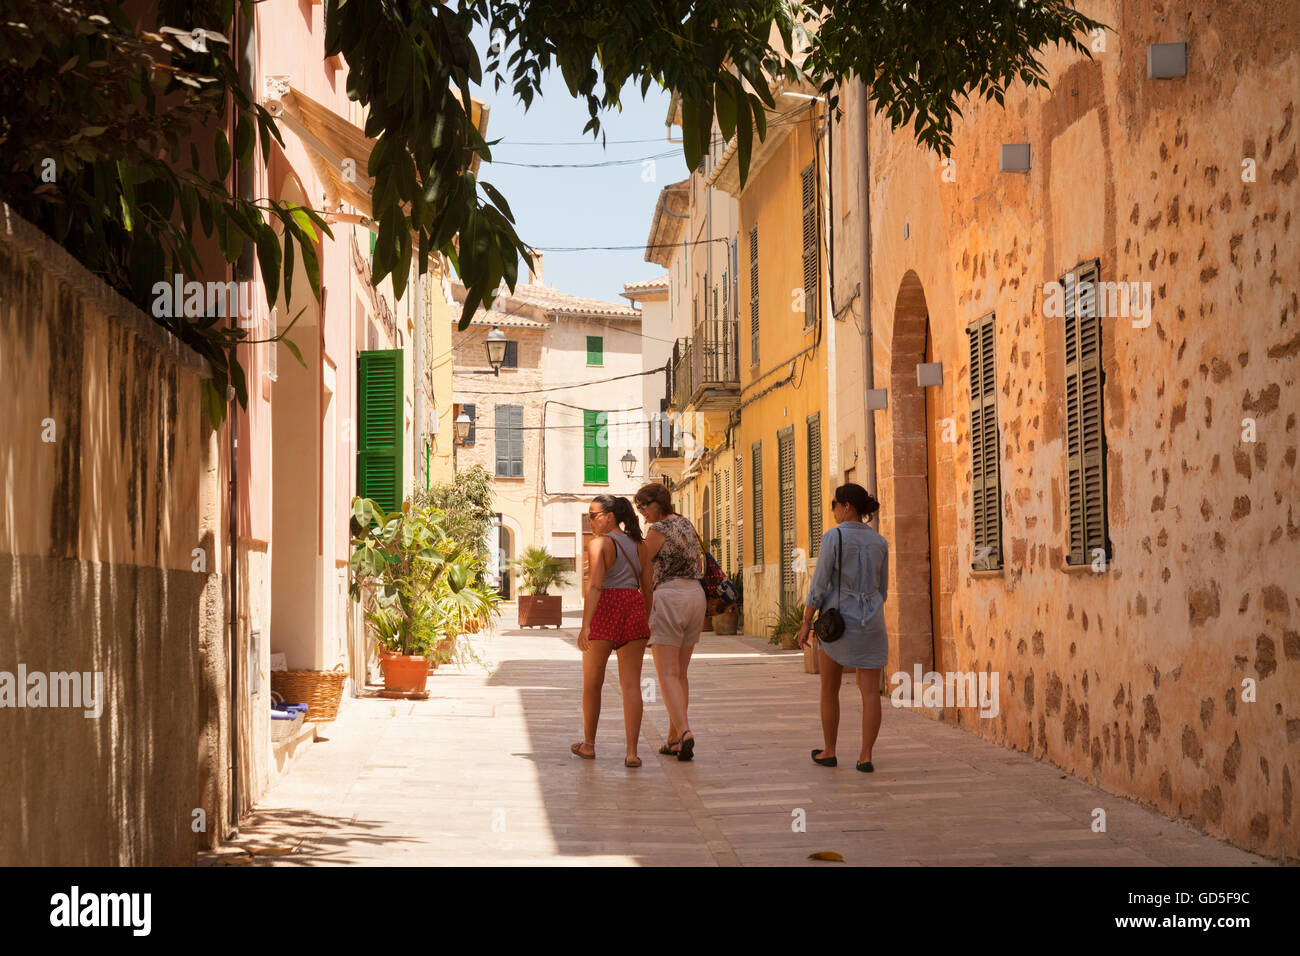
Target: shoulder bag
[[829, 626]]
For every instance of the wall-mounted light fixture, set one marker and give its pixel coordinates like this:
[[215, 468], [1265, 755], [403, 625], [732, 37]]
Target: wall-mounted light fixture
[[496, 349], [463, 424], [628, 462], [1165, 61]]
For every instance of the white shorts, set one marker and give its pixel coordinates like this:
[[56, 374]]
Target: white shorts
[[677, 616]]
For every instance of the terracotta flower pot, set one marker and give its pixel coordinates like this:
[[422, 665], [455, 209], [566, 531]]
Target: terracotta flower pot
[[405, 673], [724, 622]]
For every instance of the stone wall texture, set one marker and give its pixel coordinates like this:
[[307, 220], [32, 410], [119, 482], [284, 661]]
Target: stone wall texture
[[1131, 678], [111, 483]]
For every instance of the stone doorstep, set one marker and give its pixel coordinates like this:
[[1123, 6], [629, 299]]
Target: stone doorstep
[[285, 752]]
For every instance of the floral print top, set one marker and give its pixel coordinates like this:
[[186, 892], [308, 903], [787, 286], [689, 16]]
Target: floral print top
[[679, 557]]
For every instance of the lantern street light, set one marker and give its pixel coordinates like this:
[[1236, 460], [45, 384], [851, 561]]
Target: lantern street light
[[463, 424], [628, 462], [496, 349]]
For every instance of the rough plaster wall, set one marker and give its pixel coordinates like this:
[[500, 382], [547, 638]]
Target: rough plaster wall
[[1132, 678], [96, 564]]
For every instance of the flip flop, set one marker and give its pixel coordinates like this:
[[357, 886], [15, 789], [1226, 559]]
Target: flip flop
[[631, 761], [577, 749]]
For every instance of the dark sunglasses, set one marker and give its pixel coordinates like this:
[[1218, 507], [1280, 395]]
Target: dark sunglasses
[[642, 505]]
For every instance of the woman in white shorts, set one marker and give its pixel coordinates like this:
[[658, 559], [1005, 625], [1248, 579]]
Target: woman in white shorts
[[672, 582]]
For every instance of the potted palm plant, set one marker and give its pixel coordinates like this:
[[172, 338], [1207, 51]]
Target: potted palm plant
[[398, 564], [539, 570], [785, 629]]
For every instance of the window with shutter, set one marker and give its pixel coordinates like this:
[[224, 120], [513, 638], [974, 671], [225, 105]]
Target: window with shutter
[[380, 400], [785, 481], [595, 350], [753, 295], [595, 448], [810, 262], [756, 480], [727, 526], [814, 483], [985, 446], [1085, 425], [740, 511], [705, 524], [510, 441]]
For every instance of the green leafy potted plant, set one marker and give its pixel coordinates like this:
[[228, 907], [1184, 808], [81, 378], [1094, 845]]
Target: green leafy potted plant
[[540, 570], [785, 629], [398, 566]]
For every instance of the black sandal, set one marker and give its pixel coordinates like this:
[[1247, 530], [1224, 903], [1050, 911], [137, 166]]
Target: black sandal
[[688, 746], [667, 750], [824, 761]]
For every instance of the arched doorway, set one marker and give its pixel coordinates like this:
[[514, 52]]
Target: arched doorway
[[905, 485]]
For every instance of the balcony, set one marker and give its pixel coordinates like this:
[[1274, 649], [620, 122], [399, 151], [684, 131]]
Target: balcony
[[706, 368]]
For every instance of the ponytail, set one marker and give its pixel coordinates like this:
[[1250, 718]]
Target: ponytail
[[623, 513]]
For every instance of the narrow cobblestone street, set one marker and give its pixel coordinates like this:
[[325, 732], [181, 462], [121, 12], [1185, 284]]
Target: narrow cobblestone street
[[480, 774]]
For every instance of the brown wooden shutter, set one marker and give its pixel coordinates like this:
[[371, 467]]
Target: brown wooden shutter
[[810, 296], [756, 479], [985, 444], [785, 481], [753, 295], [740, 511], [1085, 428], [814, 483]]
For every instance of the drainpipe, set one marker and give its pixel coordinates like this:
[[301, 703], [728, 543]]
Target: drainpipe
[[864, 204]]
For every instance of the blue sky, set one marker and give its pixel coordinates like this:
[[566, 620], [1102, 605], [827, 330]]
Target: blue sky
[[557, 208]]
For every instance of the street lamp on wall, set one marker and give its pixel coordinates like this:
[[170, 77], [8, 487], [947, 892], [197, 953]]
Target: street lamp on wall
[[628, 462], [496, 349], [463, 424]]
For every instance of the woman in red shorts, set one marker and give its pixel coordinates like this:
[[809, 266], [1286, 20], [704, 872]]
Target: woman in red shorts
[[613, 619]]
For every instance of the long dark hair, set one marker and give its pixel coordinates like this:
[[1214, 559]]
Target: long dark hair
[[655, 492], [623, 514]]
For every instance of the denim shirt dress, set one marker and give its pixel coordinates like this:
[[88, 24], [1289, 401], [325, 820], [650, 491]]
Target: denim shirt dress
[[860, 597]]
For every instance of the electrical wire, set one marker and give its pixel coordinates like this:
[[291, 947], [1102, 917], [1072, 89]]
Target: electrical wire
[[557, 388]]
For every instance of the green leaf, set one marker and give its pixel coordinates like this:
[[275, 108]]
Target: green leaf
[[268, 257], [222, 146], [244, 139]]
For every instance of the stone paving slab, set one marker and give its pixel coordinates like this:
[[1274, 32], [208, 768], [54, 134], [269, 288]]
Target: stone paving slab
[[480, 774]]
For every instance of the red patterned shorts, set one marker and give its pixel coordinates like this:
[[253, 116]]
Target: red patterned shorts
[[620, 617]]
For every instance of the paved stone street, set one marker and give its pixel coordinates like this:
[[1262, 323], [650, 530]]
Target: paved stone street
[[481, 774]]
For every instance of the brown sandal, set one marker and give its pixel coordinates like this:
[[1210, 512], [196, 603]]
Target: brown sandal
[[631, 761], [577, 749]]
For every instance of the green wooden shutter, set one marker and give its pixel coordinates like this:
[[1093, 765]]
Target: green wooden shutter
[[785, 481], [810, 262], [595, 350], [380, 398], [756, 479], [814, 483], [753, 295], [1085, 424], [595, 448], [986, 486]]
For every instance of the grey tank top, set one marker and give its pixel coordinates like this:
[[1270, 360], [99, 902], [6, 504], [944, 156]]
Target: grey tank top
[[626, 571]]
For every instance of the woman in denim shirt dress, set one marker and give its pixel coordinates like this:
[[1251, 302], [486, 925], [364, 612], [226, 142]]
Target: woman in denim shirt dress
[[863, 583]]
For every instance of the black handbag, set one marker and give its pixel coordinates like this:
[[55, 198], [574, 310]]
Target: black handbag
[[829, 626]]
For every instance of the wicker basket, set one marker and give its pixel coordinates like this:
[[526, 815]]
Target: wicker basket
[[321, 691]]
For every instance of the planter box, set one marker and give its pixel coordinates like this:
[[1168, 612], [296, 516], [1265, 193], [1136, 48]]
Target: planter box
[[810, 664], [540, 610]]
